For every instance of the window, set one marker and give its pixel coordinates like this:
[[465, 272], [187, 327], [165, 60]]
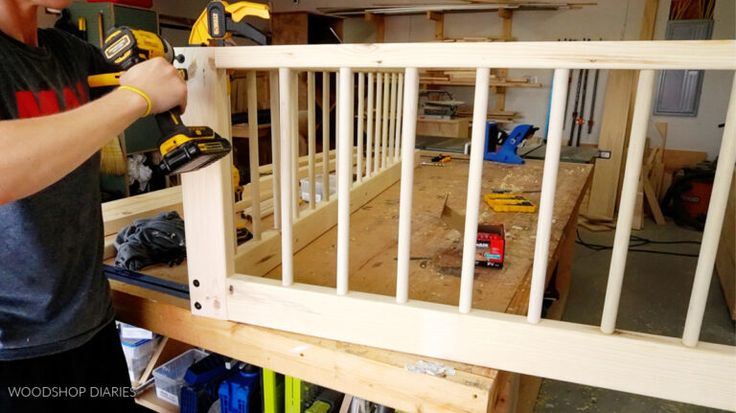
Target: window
[[678, 91]]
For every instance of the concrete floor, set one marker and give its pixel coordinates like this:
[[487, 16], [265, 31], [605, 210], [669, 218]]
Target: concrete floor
[[654, 300]]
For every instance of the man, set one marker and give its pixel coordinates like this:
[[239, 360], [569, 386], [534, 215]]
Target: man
[[58, 344]]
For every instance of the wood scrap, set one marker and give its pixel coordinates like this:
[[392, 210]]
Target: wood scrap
[[653, 203], [595, 226], [658, 168], [648, 188], [638, 222], [613, 136]]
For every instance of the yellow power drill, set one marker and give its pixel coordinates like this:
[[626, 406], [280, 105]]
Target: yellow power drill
[[183, 148]]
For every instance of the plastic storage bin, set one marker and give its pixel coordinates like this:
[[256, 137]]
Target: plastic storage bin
[[137, 354], [133, 332], [319, 194], [169, 377]]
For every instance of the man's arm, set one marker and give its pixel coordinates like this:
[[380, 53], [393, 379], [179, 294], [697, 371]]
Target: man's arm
[[40, 151]]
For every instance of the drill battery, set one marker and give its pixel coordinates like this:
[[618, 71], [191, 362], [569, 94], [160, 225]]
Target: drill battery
[[192, 148]]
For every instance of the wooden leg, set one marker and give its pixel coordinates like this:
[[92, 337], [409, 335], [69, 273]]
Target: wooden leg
[[507, 393]]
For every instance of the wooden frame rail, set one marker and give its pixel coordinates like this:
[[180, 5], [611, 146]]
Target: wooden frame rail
[[226, 282]]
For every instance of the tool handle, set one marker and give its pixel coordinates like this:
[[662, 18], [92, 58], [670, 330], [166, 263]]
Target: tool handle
[[170, 124], [104, 80]]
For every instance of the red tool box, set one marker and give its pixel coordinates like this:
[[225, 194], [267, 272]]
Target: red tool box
[[490, 246]]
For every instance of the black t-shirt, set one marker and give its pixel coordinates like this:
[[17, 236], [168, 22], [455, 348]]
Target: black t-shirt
[[53, 296]]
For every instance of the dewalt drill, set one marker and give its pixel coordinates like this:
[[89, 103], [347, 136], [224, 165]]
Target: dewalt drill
[[183, 148]]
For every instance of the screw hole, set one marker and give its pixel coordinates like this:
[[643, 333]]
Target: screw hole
[[198, 306], [196, 283]]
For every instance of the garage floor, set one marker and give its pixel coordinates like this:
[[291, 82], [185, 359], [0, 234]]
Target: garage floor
[[654, 300]]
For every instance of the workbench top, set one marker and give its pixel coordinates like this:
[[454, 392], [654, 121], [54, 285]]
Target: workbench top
[[436, 248], [434, 276]]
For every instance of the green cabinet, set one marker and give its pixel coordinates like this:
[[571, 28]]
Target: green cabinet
[[143, 135]]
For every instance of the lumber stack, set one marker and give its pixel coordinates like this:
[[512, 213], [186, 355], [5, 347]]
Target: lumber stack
[[467, 77], [498, 116]]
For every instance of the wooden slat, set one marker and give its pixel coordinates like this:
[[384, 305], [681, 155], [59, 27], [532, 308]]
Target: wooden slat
[[681, 54], [369, 127], [273, 86], [377, 128], [286, 107], [359, 171], [294, 100], [325, 135], [311, 140], [253, 154], [120, 213], [629, 190], [344, 176], [392, 119], [547, 202], [726, 256], [407, 186], [399, 125], [475, 173], [631, 362], [713, 224], [384, 119]]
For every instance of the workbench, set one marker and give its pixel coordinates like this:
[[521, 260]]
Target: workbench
[[380, 375]]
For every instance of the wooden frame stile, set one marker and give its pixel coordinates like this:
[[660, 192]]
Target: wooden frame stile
[[211, 237], [231, 286]]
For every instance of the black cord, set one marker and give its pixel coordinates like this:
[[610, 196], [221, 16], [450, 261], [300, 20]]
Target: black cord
[[649, 241], [665, 253], [637, 241]]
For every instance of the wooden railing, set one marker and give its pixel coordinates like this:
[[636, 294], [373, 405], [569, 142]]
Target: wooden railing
[[226, 282]]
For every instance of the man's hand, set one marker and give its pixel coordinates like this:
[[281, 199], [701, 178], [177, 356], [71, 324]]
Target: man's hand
[[160, 81]]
